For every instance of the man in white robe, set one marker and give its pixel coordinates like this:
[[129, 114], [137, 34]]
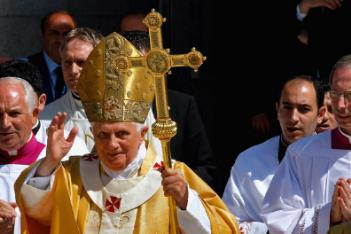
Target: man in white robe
[[254, 168], [28, 72], [14, 158], [309, 192]]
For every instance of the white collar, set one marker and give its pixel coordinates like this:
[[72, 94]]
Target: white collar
[[131, 168], [140, 193], [15, 152]]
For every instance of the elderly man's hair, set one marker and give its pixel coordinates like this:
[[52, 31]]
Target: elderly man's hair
[[343, 62], [30, 97], [83, 33], [44, 21]]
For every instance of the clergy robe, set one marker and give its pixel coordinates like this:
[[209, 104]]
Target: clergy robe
[[11, 167], [76, 117], [82, 204], [299, 197], [248, 183]]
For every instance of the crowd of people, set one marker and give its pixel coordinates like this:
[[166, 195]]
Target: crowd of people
[[78, 155]]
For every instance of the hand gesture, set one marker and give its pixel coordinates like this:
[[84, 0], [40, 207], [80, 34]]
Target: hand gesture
[[174, 185], [344, 198], [7, 216], [57, 146], [335, 213]]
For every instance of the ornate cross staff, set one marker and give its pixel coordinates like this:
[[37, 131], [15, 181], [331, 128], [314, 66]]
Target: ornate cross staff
[[160, 61]]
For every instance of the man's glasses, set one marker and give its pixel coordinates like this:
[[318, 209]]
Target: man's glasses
[[335, 95]]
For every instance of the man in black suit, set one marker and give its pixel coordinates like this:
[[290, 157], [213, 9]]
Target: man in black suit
[[54, 26], [191, 144]]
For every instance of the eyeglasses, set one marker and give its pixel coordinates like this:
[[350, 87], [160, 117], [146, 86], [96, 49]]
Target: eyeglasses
[[335, 95]]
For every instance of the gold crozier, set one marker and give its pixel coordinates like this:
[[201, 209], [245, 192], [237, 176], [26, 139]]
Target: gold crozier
[[159, 61]]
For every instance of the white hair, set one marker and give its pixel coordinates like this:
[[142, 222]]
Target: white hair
[[30, 97]]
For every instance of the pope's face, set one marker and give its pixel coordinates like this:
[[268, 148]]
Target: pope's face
[[117, 143], [16, 120], [341, 104]]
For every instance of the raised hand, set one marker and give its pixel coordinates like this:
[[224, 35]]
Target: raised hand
[[7, 216], [174, 185], [57, 146]]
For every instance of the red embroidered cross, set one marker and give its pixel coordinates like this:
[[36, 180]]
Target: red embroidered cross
[[90, 157], [112, 204], [158, 165]]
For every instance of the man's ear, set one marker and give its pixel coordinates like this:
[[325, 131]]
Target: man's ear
[[36, 112], [35, 115], [321, 113], [41, 102]]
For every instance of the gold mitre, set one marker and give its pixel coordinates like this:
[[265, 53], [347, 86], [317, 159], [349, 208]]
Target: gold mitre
[[111, 88]]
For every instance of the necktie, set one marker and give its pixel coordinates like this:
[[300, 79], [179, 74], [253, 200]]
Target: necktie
[[60, 84]]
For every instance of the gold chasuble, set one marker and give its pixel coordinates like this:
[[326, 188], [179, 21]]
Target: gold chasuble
[[71, 202]]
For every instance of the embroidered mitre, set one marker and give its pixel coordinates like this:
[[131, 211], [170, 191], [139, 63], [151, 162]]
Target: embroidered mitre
[[112, 86]]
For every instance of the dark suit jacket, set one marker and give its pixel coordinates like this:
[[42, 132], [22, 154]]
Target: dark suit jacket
[[329, 38], [191, 144], [39, 61]]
